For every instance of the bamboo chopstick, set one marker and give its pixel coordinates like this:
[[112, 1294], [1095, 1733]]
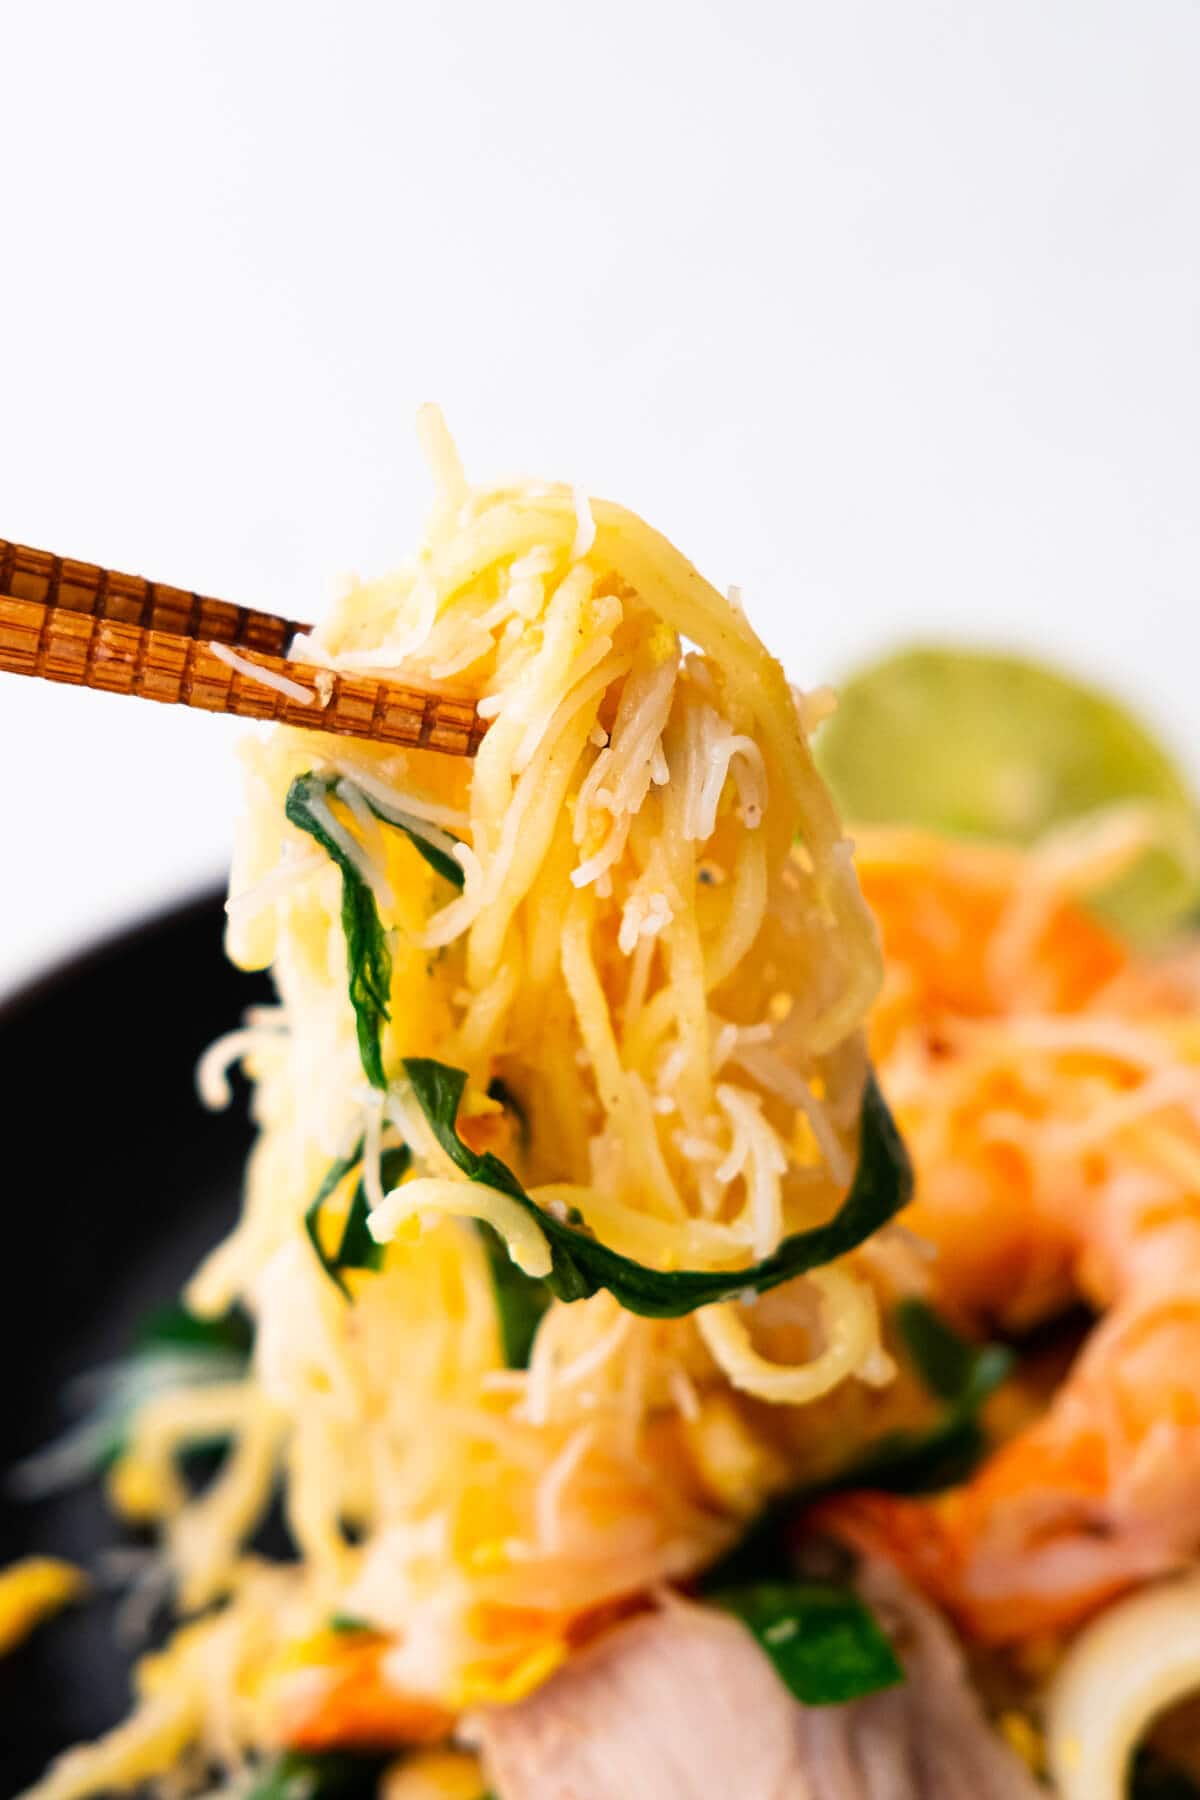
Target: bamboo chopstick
[[91, 627]]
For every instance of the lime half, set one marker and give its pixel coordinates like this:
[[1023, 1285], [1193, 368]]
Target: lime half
[[979, 744]]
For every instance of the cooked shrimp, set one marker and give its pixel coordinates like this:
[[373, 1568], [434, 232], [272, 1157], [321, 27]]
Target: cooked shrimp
[[973, 1035], [1048, 1085], [1100, 1493]]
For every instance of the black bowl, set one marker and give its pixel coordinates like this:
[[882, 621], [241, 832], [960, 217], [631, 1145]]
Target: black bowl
[[115, 1184]]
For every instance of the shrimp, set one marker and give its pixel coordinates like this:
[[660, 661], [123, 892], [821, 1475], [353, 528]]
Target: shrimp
[[1047, 1082], [1099, 1494], [980, 968]]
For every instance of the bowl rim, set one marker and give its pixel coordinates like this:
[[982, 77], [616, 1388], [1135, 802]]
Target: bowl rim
[[108, 946]]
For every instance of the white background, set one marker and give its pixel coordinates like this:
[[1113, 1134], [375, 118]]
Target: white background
[[886, 309]]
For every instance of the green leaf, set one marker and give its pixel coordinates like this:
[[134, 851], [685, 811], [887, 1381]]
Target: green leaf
[[334, 1177], [917, 1462], [367, 953], [826, 1645], [416, 831], [173, 1326], [520, 1299], [1153, 1778], [356, 1249], [987, 745], [581, 1265], [303, 1775], [943, 1360], [348, 1625], [960, 1373]]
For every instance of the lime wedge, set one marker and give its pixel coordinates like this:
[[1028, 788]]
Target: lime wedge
[[979, 744]]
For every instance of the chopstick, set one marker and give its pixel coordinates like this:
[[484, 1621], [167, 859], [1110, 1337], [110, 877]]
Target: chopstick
[[78, 623]]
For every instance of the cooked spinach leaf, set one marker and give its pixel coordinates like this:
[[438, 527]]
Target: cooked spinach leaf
[[917, 1462], [520, 1299], [349, 1625], [173, 1326], [581, 1265], [367, 953], [356, 1249], [956, 1371], [334, 1177], [826, 1645], [415, 830], [959, 1374]]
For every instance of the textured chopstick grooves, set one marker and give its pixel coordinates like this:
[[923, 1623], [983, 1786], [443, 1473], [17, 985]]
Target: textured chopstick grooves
[[91, 627]]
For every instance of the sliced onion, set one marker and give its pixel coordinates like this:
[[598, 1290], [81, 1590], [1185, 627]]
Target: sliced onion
[[1140, 1656]]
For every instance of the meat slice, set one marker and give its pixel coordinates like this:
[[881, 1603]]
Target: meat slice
[[678, 1705], [683, 1705]]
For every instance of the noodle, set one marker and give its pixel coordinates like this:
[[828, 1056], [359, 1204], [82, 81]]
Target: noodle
[[609, 1002]]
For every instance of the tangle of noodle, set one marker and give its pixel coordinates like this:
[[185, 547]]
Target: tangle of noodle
[[653, 876]]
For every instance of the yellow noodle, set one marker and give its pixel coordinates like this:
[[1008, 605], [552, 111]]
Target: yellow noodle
[[576, 967]]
